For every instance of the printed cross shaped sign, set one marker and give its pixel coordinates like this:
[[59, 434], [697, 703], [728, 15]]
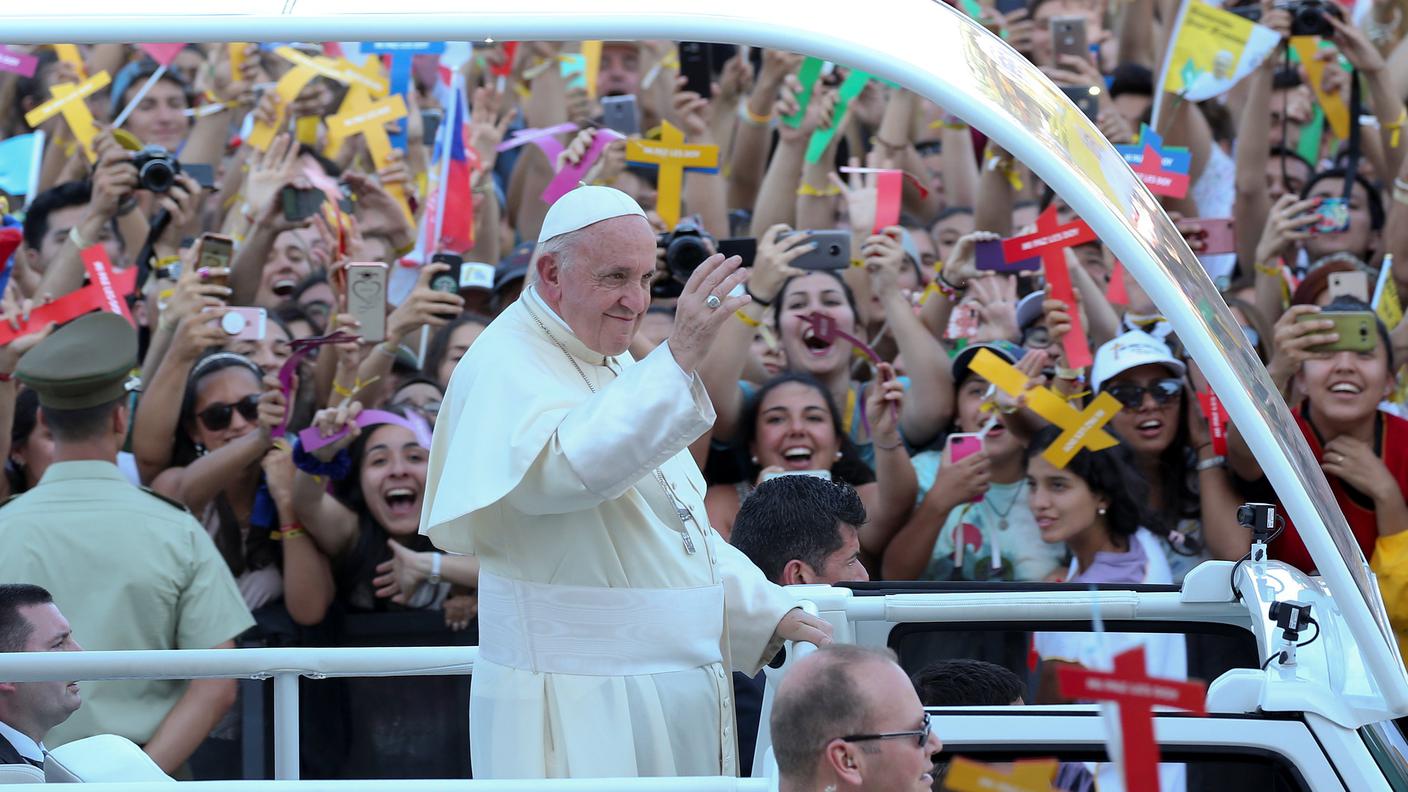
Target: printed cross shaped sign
[[1031, 775], [359, 97], [1163, 170], [17, 62], [673, 157], [1136, 694], [106, 291], [1049, 243], [370, 122], [402, 55], [1082, 429], [69, 99]]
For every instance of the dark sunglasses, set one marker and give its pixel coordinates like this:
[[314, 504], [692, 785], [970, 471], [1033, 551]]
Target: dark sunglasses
[[217, 416], [1132, 395], [921, 734]]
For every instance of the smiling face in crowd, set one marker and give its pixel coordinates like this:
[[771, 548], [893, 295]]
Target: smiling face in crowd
[[804, 295], [392, 477], [796, 430]]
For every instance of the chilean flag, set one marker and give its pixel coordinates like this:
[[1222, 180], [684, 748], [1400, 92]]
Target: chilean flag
[[455, 233]]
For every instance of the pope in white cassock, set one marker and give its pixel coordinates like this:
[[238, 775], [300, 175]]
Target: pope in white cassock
[[610, 613]]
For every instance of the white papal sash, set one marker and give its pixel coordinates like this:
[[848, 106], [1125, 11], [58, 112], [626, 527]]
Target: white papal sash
[[598, 631]]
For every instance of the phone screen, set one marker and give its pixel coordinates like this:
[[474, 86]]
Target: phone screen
[[215, 253]]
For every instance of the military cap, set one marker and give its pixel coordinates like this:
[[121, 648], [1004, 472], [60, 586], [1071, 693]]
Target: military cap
[[85, 363]]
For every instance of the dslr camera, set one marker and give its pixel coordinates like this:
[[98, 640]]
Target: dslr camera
[[1311, 17], [156, 169], [685, 248]]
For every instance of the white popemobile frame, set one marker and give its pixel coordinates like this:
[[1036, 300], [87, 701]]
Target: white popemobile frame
[[927, 47]]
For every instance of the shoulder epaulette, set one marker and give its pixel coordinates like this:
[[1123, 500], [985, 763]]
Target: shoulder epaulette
[[168, 501]]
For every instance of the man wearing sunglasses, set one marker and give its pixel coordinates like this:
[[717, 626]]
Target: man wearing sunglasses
[[134, 570], [847, 718]]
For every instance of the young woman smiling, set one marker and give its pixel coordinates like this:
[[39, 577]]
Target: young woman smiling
[[1362, 449]]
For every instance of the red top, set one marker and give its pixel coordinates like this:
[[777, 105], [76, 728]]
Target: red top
[[1390, 445]]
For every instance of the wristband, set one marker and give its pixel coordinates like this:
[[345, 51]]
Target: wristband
[[336, 470], [749, 117], [756, 299], [77, 239], [6, 376], [1267, 268], [746, 319], [435, 559], [1212, 462], [896, 444], [807, 189], [1071, 374]]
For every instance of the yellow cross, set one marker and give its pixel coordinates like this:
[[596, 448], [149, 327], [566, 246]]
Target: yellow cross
[[370, 122], [288, 87], [672, 155], [1082, 429], [69, 100], [1033, 775], [68, 53]]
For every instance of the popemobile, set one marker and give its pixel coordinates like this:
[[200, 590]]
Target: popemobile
[[1313, 701]]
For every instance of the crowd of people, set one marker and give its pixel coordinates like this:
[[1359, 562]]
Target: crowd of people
[[862, 374]]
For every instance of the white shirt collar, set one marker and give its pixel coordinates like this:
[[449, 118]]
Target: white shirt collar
[[26, 747], [539, 302]]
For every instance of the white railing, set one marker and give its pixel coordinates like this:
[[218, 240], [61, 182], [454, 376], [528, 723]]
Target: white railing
[[844, 609], [709, 784]]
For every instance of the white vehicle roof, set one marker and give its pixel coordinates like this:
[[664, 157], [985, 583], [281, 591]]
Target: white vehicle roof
[[924, 45]]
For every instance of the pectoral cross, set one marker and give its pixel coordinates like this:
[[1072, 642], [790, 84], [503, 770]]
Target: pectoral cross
[[69, 100]]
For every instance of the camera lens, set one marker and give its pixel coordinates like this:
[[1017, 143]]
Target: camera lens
[[684, 255], [833, 250]]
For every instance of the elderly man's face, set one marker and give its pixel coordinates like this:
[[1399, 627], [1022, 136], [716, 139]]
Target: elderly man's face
[[604, 290]]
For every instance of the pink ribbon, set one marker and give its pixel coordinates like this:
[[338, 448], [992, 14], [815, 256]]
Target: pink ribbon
[[542, 138], [301, 349], [312, 439], [570, 175]]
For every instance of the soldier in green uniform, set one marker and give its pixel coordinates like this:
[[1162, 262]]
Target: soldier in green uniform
[[131, 569]]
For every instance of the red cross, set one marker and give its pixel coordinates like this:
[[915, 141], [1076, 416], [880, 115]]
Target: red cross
[[1159, 181], [106, 291], [1049, 242], [1136, 694]]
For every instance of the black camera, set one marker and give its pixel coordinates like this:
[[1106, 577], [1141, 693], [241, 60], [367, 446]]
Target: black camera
[[685, 249], [1291, 617], [1311, 17], [156, 169], [1259, 518]]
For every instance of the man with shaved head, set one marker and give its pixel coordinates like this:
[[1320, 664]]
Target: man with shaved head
[[610, 612], [847, 718]]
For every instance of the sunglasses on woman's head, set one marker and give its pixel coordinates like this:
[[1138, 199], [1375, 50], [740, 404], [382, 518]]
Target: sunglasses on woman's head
[[1132, 395], [217, 416]]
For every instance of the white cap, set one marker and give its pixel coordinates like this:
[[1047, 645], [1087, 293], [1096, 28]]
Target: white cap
[[585, 206], [1124, 352]]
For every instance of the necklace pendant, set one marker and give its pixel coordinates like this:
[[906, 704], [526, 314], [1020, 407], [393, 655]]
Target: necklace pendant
[[688, 543], [1002, 524]]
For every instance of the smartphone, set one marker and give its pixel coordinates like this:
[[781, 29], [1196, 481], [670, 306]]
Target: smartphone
[[621, 114], [215, 253], [1216, 235], [1356, 329], [697, 67], [1331, 216], [1068, 37], [301, 204], [832, 251], [745, 248], [202, 173], [366, 297], [1086, 97], [449, 280], [988, 255], [430, 121], [1350, 284], [961, 445], [244, 323]]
